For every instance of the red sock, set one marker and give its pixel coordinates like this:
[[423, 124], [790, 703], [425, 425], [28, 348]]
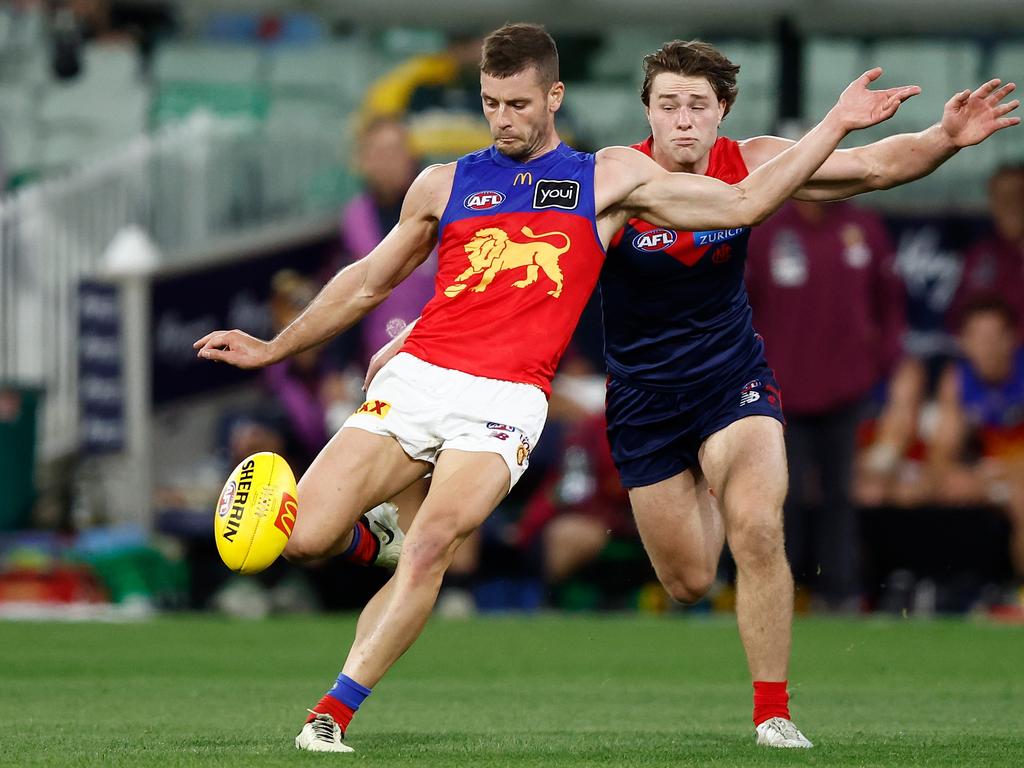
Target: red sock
[[771, 699], [364, 547], [329, 705]]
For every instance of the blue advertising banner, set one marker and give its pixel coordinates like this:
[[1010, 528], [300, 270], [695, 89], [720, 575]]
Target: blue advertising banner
[[100, 368], [187, 306]]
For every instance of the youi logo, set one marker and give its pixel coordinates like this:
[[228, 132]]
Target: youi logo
[[654, 240], [482, 201]]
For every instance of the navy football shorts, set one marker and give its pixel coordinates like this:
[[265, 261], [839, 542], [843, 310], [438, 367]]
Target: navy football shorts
[[656, 435]]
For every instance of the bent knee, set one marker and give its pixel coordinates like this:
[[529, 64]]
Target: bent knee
[[757, 537], [303, 549], [429, 552], [688, 587]]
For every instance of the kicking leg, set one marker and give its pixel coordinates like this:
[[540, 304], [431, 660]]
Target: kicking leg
[[355, 471]]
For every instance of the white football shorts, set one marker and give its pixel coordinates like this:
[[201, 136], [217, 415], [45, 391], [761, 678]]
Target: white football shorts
[[429, 409]]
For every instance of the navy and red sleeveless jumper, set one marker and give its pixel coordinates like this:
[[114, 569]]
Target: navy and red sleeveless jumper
[[683, 358]]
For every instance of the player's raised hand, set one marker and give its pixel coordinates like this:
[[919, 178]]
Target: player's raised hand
[[970, 117], [860, 107], [235, 348]]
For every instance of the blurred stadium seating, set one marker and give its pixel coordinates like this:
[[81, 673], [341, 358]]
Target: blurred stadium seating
[[310, 82]]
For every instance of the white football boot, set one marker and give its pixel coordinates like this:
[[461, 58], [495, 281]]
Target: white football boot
[[382, 521], [782, 733], [321, 734]]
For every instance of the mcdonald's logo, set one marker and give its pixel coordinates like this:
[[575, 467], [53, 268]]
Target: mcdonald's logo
[[523, 177], [286, 514]]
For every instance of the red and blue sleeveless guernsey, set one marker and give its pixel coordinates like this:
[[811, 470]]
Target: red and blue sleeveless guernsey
[[676, 314], [996, 411], [518, 257]]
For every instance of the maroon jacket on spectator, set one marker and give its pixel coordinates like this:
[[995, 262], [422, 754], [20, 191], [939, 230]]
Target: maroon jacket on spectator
[[827, 302], [992, 267]]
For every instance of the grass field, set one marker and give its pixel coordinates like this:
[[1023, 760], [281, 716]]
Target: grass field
[[549, 691]]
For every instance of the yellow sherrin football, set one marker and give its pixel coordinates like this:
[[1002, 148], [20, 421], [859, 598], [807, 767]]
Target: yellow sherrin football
[[256, 512]]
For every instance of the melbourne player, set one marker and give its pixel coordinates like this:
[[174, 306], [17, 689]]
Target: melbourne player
[[692, 406], [522, 229]]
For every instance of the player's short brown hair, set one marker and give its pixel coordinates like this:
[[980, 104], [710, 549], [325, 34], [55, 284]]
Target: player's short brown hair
[[693, 58], [515, 47]]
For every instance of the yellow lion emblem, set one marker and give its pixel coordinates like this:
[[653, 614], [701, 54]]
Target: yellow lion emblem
[[491, 251]]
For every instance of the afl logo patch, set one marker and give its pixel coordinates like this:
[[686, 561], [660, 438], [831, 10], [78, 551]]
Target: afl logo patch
[[654, 240], [483, 201], [226, 499]]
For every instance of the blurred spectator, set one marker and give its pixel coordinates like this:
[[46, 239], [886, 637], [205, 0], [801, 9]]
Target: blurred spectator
[[388, 165], [73, 23], [977, 451], [439, 97], [826, 298], [313, 395], [249, 432], [76, 21], [580, 506], [995, 266], [890, 469]]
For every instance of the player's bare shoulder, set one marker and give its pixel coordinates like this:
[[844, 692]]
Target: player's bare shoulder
[[428, 195], [618, 172], [758, 150]]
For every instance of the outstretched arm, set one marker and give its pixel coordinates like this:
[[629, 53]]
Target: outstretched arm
[[968, 118], [689, 202], [352, 292]]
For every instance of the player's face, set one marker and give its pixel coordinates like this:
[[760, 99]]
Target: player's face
[[988, 342], [684, 116], [520, 111]]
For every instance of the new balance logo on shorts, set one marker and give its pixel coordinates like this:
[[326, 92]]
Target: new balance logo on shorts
[[501, 431], [750, 396], [749, 393]]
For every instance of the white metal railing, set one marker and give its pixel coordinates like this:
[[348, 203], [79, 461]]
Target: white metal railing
[[186, 185]]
